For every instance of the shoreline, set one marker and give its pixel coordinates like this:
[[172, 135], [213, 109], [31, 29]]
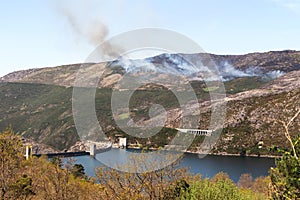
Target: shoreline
[[214, 154], [238, 155]]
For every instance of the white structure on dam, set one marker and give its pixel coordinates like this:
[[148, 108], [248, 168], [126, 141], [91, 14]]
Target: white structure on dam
[[28, 152], [97, 147], [122, 142], [196, 131]]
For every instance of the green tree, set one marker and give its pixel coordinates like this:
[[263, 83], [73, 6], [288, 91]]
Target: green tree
[[181, 187], [286, 176], [78, 171], [223, 189], [22, 187]]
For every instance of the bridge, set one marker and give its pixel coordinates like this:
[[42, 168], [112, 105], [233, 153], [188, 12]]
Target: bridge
[[94, 148], [196, 131]]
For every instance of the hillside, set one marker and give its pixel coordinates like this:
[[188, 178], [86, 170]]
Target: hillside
[[266, 65], [38, 102]]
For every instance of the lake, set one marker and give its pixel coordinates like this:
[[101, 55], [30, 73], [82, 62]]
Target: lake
[[208, 166]]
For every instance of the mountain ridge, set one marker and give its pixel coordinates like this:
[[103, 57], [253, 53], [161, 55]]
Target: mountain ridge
[[37, 102], [284, 61]]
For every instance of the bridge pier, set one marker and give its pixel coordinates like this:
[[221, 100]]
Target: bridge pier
[[28, 152], [92, 150]]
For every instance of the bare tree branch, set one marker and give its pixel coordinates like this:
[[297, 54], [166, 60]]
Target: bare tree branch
[[287, 133]]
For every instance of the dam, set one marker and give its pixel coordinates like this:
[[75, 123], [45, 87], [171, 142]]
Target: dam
[[198, 132]]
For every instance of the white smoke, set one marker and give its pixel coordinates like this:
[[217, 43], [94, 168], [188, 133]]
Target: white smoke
[[228, 72], [176, 65], [135, 66], [274, 74]]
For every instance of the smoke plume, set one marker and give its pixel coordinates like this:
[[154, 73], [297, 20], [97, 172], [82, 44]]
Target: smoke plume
[[174, 64], [88, 26]]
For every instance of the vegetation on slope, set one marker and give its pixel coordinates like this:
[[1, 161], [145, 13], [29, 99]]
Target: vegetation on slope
[[255, 119], [41, 112], [44, 113]]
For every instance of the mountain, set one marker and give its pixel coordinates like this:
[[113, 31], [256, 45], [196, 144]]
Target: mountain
[[271, 64], [259, 87]]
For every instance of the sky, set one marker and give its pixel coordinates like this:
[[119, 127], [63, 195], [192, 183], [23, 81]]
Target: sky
[[38, 33]]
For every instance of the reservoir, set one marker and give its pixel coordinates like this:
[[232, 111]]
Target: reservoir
[[208, 166]]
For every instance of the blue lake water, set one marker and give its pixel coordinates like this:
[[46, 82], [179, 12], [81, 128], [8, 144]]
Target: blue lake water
[[207, 166]]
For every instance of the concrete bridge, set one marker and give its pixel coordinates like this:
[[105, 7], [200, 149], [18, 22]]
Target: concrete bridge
[[196, 131], [94, 148]]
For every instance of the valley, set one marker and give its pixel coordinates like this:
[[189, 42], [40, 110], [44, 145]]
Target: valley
[[260, 88]]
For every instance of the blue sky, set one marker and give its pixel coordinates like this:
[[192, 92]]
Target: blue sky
[[37, 33]]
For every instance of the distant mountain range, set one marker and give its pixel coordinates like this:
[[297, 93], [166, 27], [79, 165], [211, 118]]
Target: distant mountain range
[[259, 87]]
